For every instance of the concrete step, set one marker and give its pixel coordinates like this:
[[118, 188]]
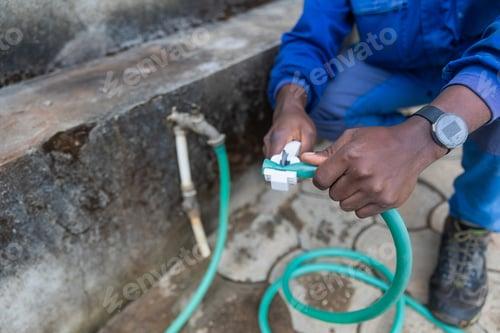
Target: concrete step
[[40, 36], [89, 192]]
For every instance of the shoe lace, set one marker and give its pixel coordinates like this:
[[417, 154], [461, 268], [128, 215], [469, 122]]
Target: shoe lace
[[462, 249]]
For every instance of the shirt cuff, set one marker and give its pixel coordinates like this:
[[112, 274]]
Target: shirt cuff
[[484, 83], [294, 81]]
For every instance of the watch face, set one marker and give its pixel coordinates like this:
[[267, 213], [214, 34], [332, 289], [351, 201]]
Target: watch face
[[450, 130]]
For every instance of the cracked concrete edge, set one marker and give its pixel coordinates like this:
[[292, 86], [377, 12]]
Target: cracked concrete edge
[[29, 120]]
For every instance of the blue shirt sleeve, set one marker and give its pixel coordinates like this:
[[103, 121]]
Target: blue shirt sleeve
[[479, 69], [312, 43]]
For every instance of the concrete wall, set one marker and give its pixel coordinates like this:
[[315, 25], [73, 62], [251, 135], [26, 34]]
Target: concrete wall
[[37, 36], [89, 198]]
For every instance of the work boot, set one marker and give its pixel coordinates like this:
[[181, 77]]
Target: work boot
[[459, 285]]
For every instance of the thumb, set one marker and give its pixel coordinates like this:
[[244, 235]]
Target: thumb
[[315, 158], [319, 157]]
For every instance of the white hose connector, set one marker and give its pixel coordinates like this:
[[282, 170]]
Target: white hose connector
[[190, 203]]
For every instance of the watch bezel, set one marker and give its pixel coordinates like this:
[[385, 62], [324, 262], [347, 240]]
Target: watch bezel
[[445, 141]]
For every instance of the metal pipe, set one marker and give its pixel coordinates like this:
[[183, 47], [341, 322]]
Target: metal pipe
[[197, 123], [190, 201], [183, 159]]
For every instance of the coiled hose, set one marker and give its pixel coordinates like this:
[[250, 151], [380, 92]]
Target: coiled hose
[[393, 286]]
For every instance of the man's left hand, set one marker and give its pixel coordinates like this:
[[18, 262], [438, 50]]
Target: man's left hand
[[370, 170]]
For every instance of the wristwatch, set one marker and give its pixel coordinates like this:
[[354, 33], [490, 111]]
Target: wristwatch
[[448, 130]]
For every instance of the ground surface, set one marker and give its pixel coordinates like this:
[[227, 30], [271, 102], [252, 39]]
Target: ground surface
[[268, 228]]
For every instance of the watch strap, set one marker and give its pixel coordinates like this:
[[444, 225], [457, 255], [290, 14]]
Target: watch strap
[[431, 113]]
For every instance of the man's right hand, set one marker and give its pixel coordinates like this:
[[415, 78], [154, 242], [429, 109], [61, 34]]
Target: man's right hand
[[290, 122]]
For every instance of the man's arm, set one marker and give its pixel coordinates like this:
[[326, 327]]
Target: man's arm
[[293, 86], [313, 42], [479, 70], [463, 101], [290, 122]]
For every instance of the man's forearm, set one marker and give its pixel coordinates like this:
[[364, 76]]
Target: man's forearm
[[291, 97], [290, 121], [462, 101], [456, 99]]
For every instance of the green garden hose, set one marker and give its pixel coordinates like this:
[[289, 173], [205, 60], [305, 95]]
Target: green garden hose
[[394, 286], [206, 281]]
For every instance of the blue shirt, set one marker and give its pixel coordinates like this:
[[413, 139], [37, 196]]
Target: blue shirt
[[461, 37]]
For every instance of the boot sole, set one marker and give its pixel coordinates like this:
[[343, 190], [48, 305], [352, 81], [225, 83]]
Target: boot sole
[[454, 321]]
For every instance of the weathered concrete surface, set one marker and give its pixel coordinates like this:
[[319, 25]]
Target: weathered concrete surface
[[88, 180], [308, 207], [39, 36]]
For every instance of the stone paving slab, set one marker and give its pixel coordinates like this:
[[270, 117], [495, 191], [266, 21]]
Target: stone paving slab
[[377, 242], [442, 173], [416, 210], [494, 253], [248, 188], [490, 319], [270, 202], [325, 224], [413, 324], [250, 254], [325, 291], [438, 216]]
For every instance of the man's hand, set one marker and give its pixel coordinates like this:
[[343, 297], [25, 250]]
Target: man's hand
[[290, 122], [369, 170]]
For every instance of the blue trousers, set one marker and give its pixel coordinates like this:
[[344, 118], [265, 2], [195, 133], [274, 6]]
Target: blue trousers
[[366, 95]]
